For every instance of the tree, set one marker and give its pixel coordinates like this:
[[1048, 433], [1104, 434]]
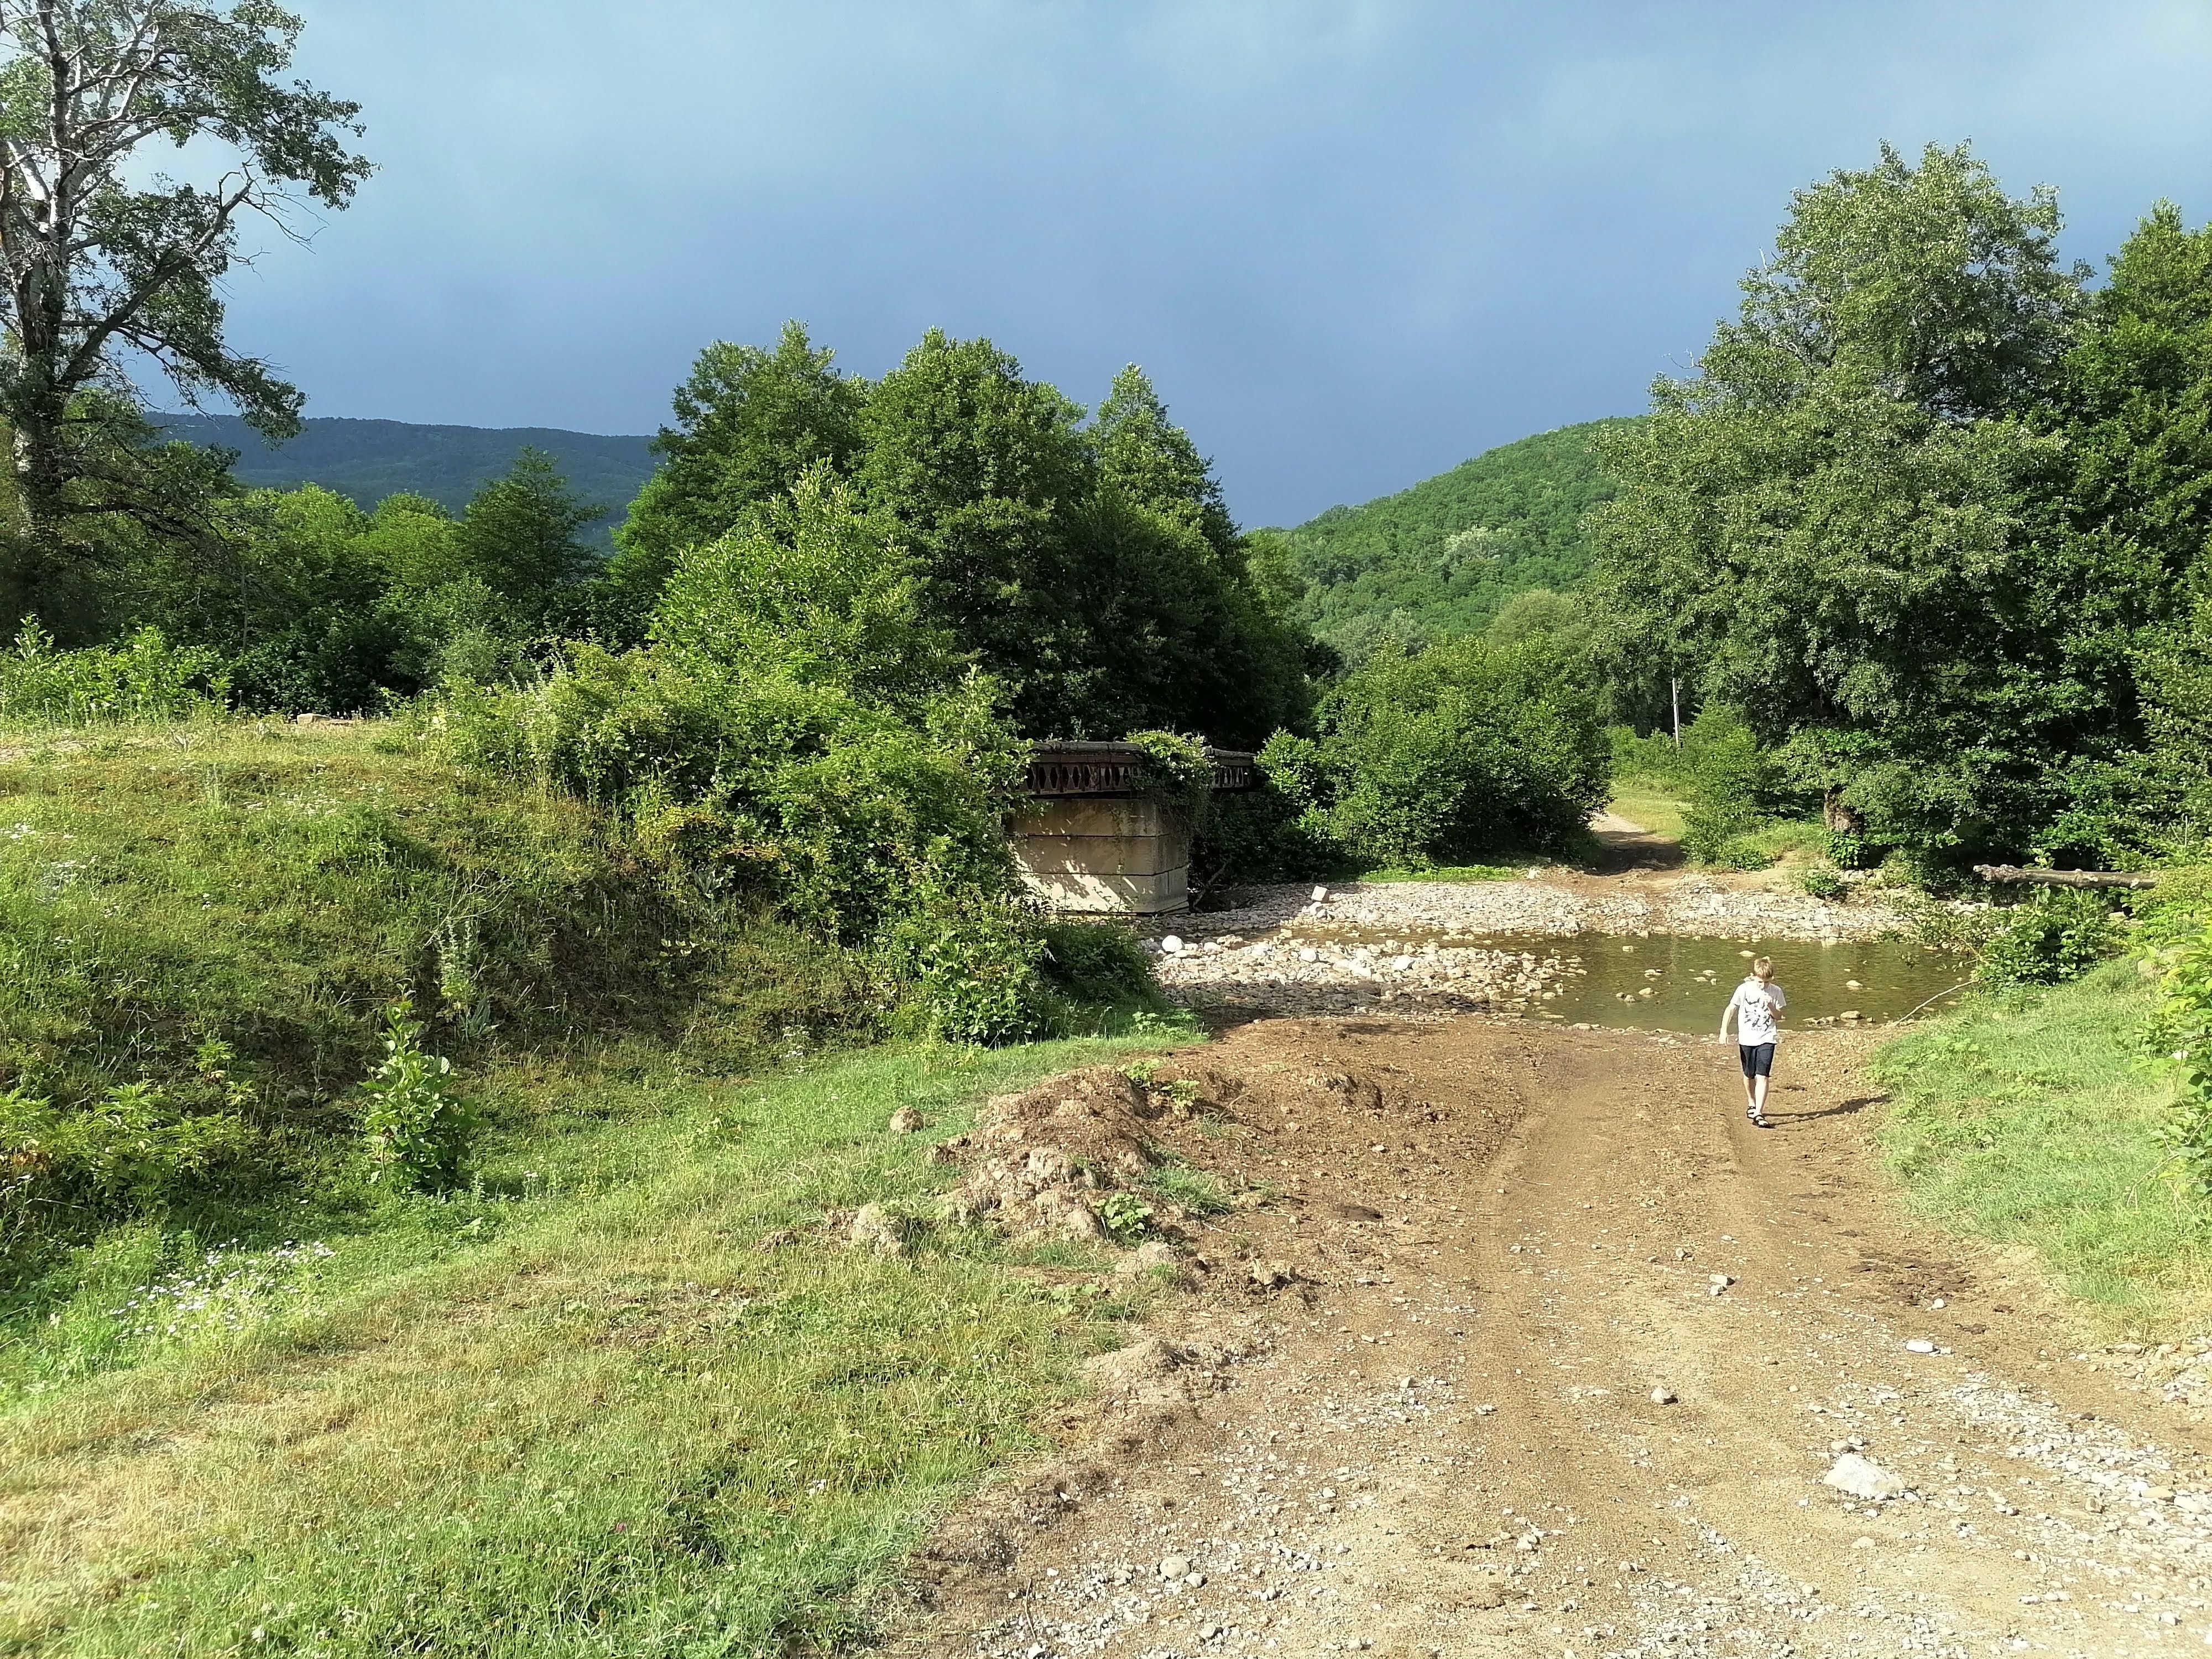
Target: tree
[[1852, 519], [519, 535], [101, 264], [1464, 748], [982, 469], [749, 423], [1152, 462]]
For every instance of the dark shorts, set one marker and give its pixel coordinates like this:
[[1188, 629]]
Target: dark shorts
[[1758, 1058]]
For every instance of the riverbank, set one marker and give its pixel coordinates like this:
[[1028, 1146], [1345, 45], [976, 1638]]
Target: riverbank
[[2032, 1120]]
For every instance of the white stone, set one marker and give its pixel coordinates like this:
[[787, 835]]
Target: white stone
[[1861, 1477], [1175, 1567], [1919, 1345], [1172, 945]]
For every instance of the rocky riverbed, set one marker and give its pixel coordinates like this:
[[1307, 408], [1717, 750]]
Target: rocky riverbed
[[1431, 949]]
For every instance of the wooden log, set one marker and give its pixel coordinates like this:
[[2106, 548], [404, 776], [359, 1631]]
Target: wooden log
[[2067, 877]]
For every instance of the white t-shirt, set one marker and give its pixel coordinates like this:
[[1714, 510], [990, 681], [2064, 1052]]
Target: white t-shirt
[[1756, 1003]]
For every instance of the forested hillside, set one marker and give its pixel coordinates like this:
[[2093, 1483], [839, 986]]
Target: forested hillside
[[367, 461], [1442, 556]]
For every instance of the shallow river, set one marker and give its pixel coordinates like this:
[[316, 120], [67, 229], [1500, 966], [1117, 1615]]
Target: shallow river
[[1661, 982]]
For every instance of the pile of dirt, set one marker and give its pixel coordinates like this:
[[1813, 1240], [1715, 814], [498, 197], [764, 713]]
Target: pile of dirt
[[1039, 1164]]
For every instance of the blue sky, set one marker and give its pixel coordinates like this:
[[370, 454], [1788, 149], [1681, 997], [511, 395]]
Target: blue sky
[[1354, 242]]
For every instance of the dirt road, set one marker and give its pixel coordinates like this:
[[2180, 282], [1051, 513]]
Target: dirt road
[[1565, 1349]]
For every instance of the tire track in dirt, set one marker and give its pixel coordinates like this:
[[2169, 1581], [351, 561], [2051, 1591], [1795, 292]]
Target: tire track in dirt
[[1502, 1406]]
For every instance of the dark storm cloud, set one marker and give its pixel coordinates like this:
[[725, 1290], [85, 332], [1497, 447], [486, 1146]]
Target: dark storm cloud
[[1353, 243]]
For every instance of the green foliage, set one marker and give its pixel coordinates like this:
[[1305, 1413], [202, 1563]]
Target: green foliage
[[413, 1126], [1093, 572], [749, 424], [521, 537], [1461, 749], [1127, 1216], [1264, 833], [147, 679], [2059, 935], [1447, 555], [130, 256], [1097, 962], [1822, 882], [136, 1148], [812, 587], [2179, 1033], [1179, 772], [800, 736], [1925, 515], [1731, 786], [974, 968]]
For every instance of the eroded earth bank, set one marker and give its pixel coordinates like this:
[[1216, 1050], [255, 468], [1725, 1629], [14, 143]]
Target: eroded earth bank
[[1522, 1341]]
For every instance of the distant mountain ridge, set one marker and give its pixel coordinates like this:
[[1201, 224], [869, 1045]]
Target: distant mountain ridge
[[1444, 554], [369, 461]]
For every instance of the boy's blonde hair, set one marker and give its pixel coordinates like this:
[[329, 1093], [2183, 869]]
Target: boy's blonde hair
[[1763, 968]]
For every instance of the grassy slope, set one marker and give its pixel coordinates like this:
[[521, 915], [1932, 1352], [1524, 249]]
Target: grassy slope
[[591, 1409], [2028, 1119], [1389, 555], [582, 1406]]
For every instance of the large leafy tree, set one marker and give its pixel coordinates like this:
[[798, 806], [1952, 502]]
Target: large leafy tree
[[748, 422], [983, 470], [107, 263], [1852, 519], [2139, 424]]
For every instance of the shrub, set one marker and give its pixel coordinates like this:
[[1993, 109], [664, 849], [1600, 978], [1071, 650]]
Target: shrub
[[413, 1125], [2179, 1034], [1822, 882], [1096, 962], [146, 679], [1731, 784], [2059, 935], [138, 1148], [973, 968], [1848, 850], [1464, 748]]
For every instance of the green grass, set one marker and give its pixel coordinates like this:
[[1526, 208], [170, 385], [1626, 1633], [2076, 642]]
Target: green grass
[[1649, 805], [1456, 873], [625, 1396], [2028, 1119], [623, 1392]]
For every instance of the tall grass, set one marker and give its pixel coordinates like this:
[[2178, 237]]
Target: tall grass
[[2028, 1118]]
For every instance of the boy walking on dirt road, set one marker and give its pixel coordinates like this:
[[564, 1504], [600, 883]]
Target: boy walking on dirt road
[[1756, 1007]]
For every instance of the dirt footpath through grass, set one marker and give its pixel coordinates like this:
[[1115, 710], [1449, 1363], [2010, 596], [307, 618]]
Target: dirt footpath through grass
[[1543, 1350]]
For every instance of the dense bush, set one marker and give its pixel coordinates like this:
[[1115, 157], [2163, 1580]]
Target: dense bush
[[1464, 748], [800, 736], [2058, 935], [1098, 962], [146, 679]]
